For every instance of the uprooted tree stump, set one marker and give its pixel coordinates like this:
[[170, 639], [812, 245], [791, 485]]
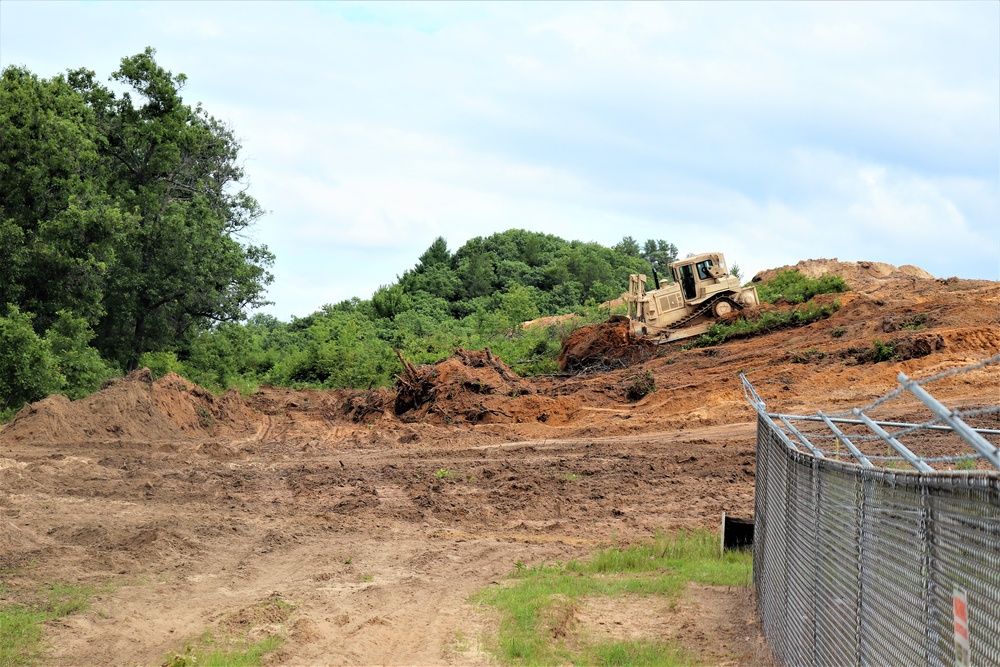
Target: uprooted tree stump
[[413, 387], [467, 386], [604, 346]]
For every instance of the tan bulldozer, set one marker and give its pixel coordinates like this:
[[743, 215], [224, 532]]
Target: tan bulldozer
[[701, 291]]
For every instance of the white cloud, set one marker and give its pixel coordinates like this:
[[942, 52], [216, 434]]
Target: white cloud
[[904, 206]]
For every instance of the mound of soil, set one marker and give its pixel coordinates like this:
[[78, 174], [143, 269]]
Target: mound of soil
[[568, 319], [604, 346], [860, 276], [468, 387], [550, 320], [134, 408]]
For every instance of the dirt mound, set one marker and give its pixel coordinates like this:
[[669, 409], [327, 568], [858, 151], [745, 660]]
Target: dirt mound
[[16, 539], [569, 319], [134, 408], [468, 387], [550, 320], [860, 276], [604, 346]]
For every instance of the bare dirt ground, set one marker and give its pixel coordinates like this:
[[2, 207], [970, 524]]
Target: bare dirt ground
[[375, 516]]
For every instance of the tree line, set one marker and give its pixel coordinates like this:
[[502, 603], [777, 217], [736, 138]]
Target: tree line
[[478, 296], [122, 220]]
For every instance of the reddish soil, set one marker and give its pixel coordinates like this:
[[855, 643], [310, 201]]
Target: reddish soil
[[376, 515]]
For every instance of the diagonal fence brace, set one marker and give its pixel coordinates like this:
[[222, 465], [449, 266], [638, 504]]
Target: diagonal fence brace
[[847, 443], [903, 450], [812, 448], [989, 451]]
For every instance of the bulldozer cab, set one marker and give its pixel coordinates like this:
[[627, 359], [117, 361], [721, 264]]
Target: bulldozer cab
[[693, 272]]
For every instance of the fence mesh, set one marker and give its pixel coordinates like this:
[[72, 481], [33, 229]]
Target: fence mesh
[[863, 565]]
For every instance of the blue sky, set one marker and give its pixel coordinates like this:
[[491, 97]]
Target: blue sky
[[773, 132]]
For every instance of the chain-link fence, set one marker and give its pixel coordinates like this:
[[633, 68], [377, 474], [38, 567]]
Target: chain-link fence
[[857, 563]]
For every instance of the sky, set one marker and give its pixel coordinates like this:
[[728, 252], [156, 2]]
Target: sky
[[772, 132]]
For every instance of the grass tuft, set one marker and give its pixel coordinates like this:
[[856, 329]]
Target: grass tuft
[[214, 652], [537, 606], [21, 624], [65, 599], [638, 653], [20, 635]]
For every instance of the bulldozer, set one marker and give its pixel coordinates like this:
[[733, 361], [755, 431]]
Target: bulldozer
[[701, 291]]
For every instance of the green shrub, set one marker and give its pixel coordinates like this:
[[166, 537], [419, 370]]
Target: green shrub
[[771, 320], [914, 322], [340, 350], [28, 369], [797, 288], [882, 351], [161, 363], [81, 366]]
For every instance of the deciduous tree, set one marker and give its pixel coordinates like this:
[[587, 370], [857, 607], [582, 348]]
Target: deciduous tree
[[182, 261], [124, 211]]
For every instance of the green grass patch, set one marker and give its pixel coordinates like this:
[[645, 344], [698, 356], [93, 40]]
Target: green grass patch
[[244, 640], [211, 651], [638, 653], [21, 636], [797, 288], [537, 605], [769, 320], [966, 464]]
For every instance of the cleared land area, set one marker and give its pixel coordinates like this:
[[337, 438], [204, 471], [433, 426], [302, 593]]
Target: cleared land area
[[359, 524]]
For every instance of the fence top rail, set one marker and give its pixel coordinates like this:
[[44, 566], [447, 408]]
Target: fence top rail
[[844, 420], [944, 421]]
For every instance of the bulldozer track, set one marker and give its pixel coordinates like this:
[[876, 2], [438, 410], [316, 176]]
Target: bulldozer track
[[706, 307]]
